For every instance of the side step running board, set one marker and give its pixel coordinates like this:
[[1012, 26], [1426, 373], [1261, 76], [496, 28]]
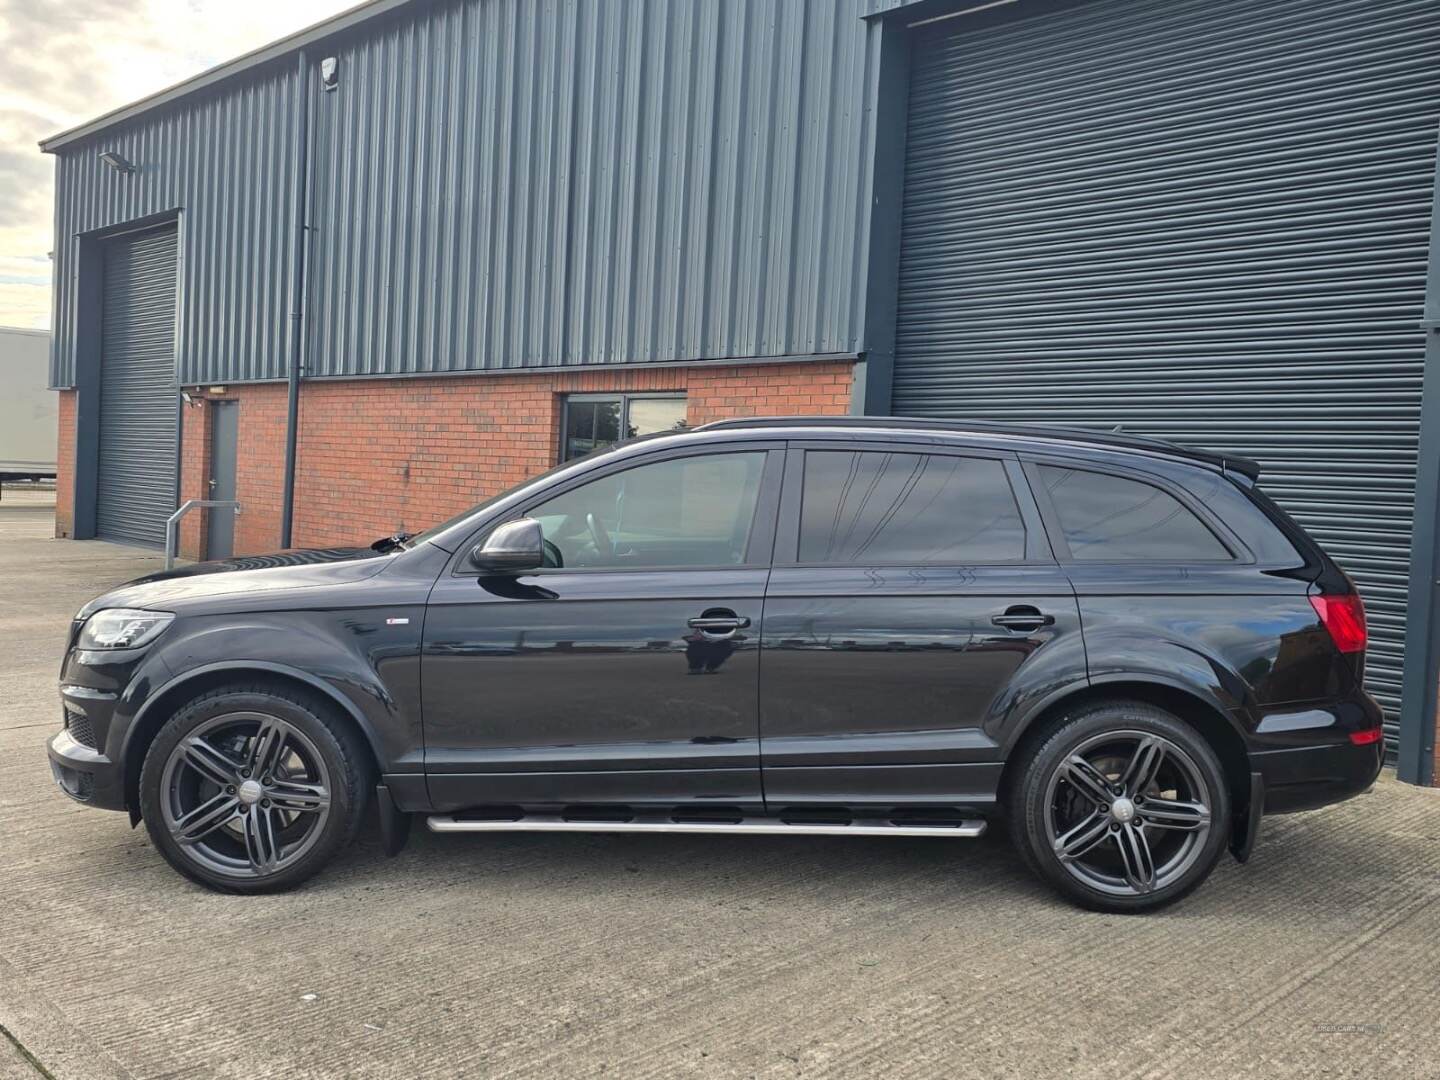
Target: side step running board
[[444, 823]]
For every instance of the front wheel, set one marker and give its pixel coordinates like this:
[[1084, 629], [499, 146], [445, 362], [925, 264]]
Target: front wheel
[[1124, 808], [249, 789]]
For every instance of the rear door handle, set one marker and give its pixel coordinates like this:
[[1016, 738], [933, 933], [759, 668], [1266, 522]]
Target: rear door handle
[[1023, 618]]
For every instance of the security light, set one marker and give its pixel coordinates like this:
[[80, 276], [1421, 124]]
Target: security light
[[330, 73], [116, 161]]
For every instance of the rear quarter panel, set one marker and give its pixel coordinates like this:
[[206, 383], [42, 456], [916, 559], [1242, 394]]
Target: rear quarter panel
[[1245, 642]]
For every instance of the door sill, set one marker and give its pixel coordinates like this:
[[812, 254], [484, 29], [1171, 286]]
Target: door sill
[[764, 826]]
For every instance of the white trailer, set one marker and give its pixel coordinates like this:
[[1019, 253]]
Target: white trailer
[[28, 411]]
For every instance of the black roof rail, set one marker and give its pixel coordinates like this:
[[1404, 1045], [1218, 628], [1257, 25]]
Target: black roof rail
[[1120, 440]]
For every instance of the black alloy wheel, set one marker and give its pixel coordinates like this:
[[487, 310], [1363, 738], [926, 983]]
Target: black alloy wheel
[[1123, 808], [252, 790]]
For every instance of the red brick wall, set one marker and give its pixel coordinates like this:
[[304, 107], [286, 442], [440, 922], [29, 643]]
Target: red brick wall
[[65, 467], [377, 456], [717, 393], [194, 472], [260, 466]]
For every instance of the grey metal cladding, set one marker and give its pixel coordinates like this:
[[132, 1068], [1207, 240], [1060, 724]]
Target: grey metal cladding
[[507, 183], [135, 487], [516, 183], [1205, 222], [222, 160]]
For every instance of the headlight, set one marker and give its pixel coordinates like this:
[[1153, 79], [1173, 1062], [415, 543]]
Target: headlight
[[122, 628]]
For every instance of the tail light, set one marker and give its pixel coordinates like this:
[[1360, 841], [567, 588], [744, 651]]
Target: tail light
[[1344, 618], [1367, 737]]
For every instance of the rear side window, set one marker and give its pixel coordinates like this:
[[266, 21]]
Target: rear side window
[[875, 508], [1106, 517]]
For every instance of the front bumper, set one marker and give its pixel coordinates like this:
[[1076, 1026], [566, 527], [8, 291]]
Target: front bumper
[[100, 692], [85, 774]]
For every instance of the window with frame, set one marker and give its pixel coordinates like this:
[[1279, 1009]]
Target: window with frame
[[875, 508], [685, 511], [1104, 517], [595, 421]]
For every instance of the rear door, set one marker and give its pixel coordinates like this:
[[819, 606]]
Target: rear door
[[914, 614]]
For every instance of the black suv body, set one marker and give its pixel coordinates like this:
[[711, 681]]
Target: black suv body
[[863, 626]]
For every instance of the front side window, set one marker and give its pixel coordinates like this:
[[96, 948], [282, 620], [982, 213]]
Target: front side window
[[874, 508], [1105, 517], [594, 421], [688, 511]]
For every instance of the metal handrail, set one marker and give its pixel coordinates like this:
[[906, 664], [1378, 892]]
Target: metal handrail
[[172, 523]]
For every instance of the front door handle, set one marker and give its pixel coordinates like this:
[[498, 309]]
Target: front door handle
[[719, 624], [1023, 617]]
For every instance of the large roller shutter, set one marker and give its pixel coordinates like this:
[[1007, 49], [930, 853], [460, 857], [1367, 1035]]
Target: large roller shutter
[[1206, 221], [136, 484]]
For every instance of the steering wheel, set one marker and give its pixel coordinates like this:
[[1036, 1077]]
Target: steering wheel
[[603, 546], [553, 558]]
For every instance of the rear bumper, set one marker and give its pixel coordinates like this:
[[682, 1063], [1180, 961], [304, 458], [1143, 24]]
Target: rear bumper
[[1302, 778]]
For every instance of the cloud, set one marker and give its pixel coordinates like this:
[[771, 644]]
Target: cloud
[[63, 62]]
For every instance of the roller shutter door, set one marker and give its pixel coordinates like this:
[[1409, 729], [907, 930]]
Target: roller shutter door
[[135, 486], [1204, 221]]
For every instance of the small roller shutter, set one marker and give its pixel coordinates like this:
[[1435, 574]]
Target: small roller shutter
[[1201, 221], [136, 481]]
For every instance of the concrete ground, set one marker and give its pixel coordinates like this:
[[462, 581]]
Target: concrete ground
[[672, 956]]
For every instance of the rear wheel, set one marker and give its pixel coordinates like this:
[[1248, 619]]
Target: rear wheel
[[252, 790], [1123, 808]]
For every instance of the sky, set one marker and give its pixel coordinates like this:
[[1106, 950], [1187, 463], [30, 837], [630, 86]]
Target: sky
[[66, 61]]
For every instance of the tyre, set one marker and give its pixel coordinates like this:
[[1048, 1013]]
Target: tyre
[[1122, 808], [251, 789]]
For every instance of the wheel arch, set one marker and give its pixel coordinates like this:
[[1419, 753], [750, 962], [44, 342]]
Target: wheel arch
[[162, 705], [1209, 720]]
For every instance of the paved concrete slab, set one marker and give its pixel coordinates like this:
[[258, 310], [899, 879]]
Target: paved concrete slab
[[673, 956]]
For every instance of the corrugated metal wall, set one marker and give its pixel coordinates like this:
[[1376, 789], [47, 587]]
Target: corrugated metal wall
[[1205, 222], [224, 162], [506, 183]]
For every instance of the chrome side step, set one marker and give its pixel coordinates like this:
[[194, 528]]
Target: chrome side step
[[760, 826]]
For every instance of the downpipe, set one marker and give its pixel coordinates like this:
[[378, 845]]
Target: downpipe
[[297, 297]]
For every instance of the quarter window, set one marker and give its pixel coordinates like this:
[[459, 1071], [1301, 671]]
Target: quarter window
[[688, 511], [873, 508], [1105, 517]]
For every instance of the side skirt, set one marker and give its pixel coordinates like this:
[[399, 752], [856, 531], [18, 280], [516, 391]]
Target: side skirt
[[766, 826]]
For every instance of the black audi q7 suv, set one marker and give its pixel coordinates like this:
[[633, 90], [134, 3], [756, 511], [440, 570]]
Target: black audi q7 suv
[[862, 627]]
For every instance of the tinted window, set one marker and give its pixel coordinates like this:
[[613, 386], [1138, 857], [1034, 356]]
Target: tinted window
[[1110, 517], [875, 508], [691, 511]]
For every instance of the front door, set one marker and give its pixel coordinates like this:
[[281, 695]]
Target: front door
[[914, 611], [625, 671]]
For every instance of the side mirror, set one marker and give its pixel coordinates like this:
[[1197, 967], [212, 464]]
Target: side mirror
[[512, 548]]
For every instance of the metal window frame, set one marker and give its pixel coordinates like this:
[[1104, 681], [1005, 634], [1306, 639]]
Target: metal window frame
[[624, 397]]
